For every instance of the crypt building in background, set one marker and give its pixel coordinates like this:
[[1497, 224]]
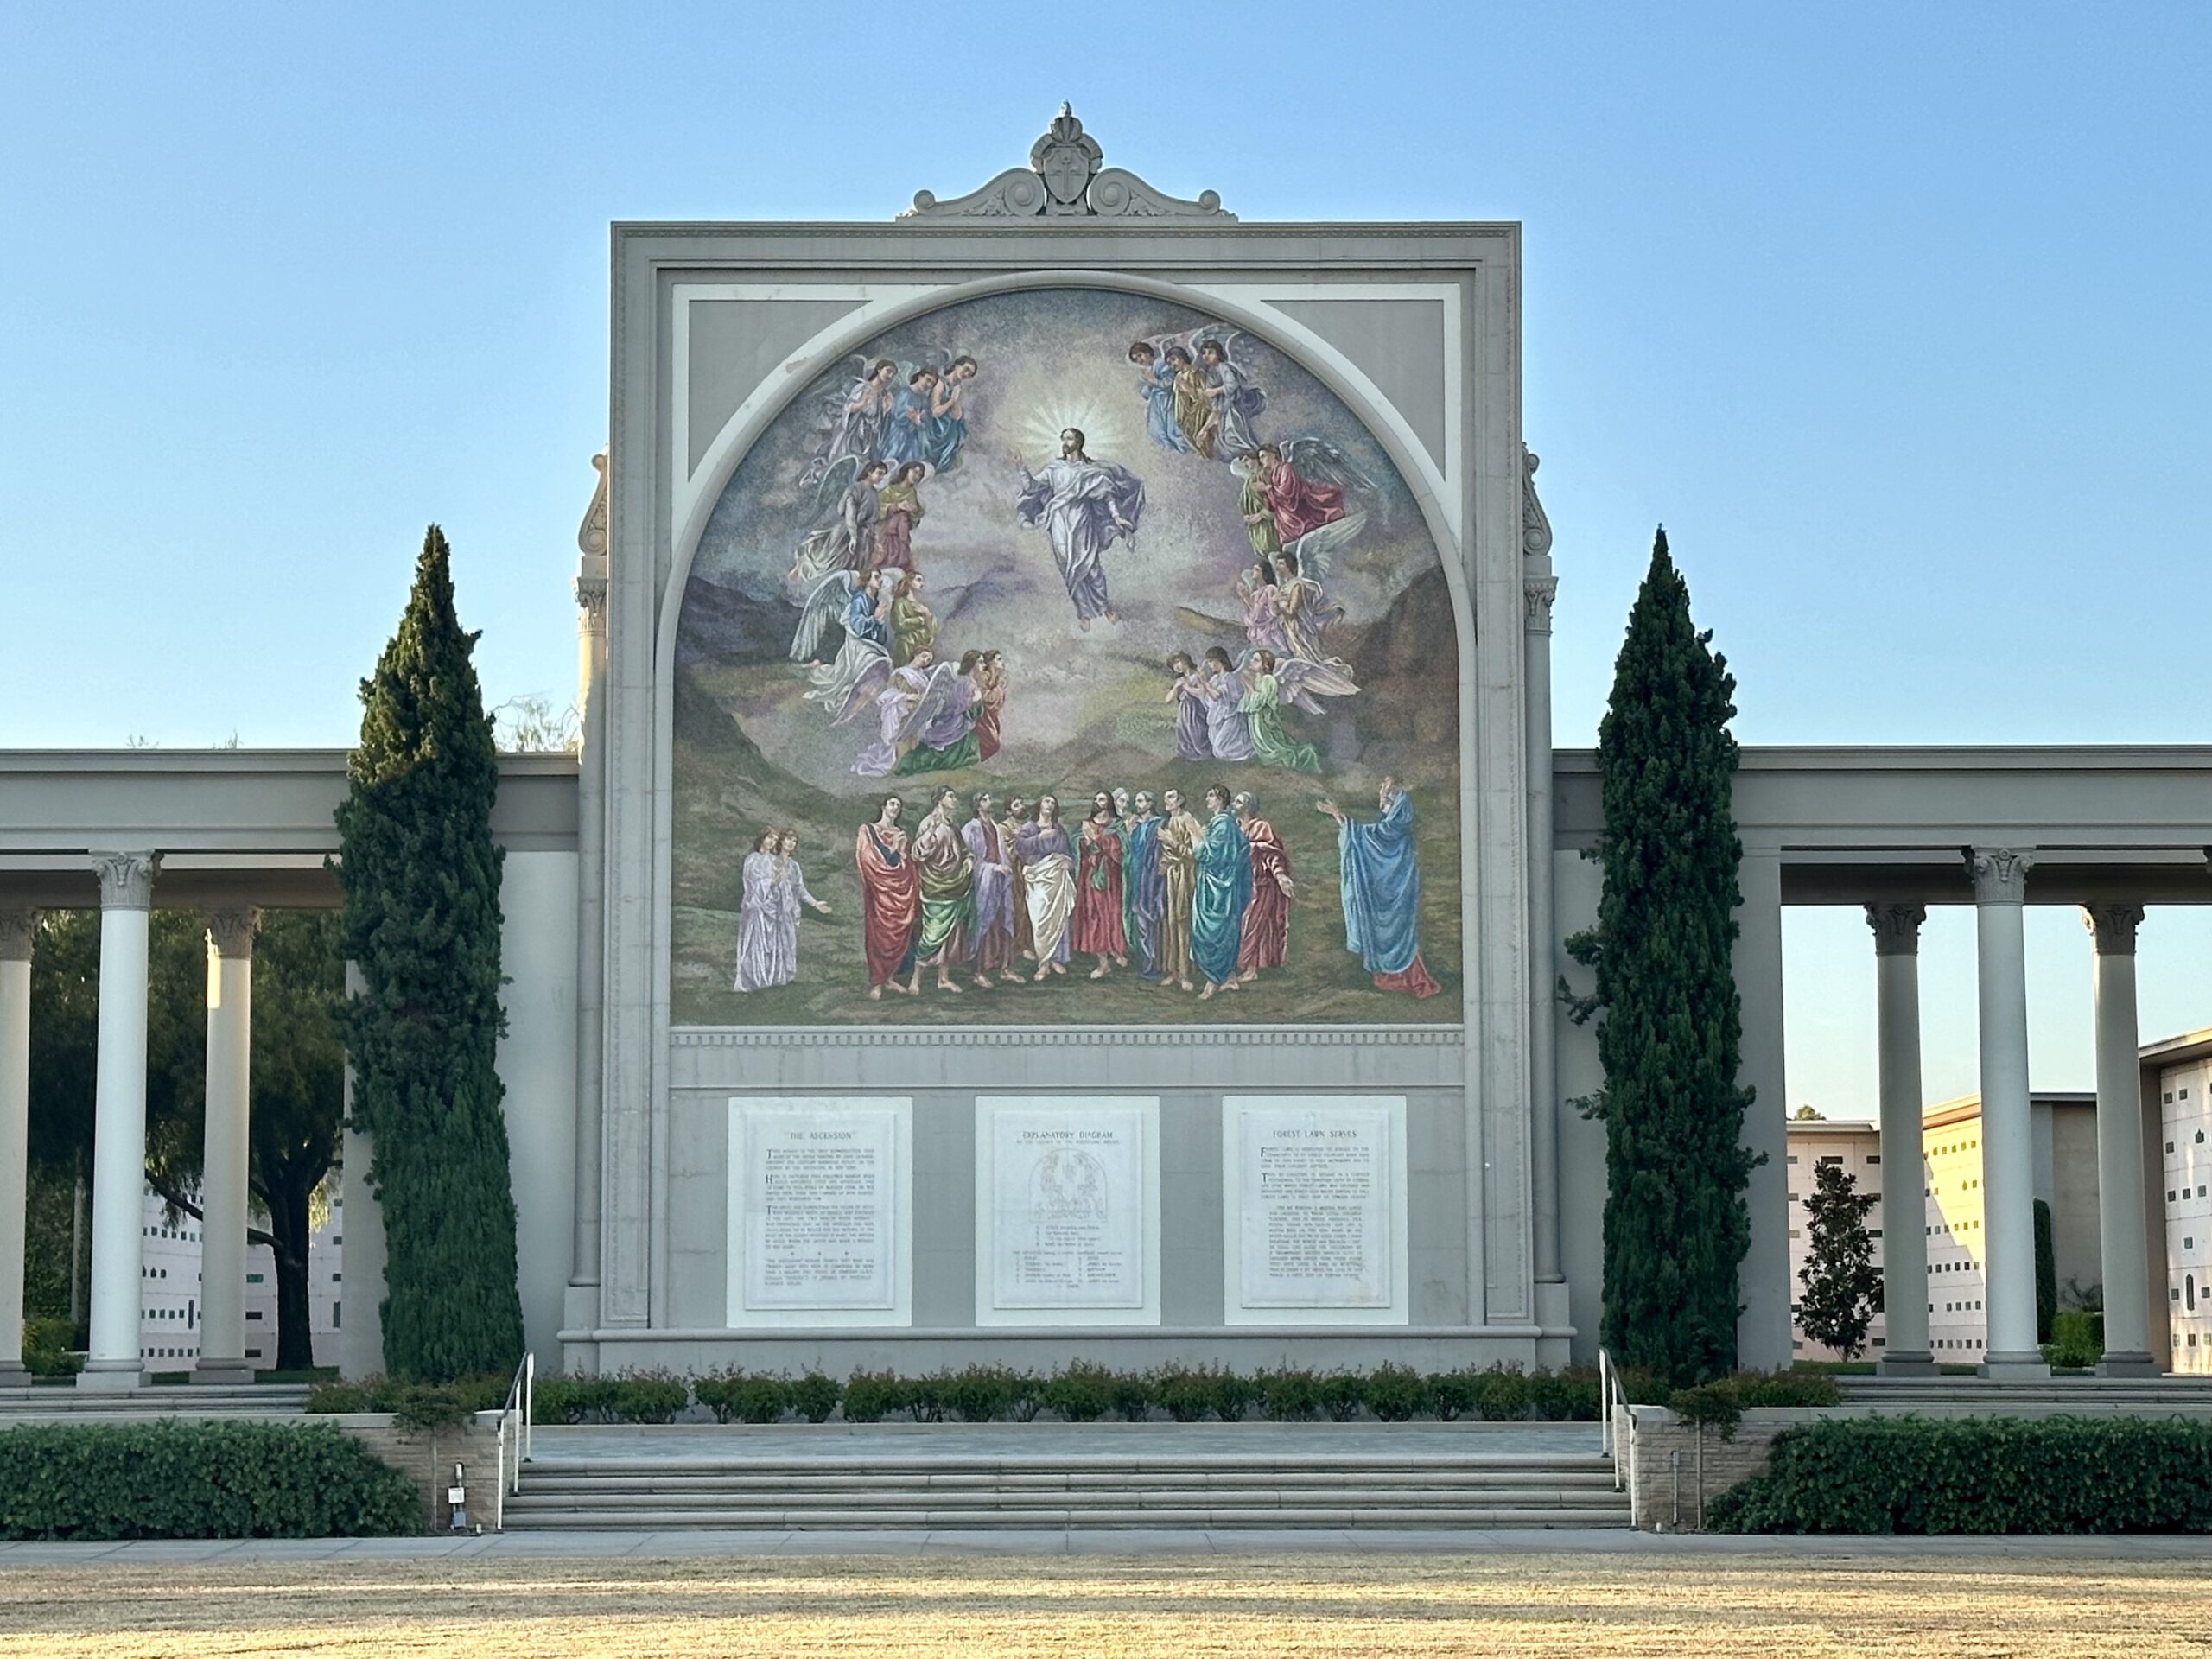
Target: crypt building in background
[[1067, 857]]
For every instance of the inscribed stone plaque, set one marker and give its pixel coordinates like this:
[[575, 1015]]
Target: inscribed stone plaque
[[1070, 1192], [818, 1196], [1318, 1206], [1069, 1233]]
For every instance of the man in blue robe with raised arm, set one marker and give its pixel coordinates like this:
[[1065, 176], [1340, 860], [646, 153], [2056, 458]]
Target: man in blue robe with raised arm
[[1382, 893]]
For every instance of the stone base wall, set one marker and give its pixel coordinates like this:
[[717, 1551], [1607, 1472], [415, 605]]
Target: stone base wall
[[1663, 1494], [474, 1445]]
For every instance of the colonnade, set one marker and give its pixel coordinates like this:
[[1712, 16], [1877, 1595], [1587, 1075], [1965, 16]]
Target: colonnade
[[114, 1361], [1999, 876]]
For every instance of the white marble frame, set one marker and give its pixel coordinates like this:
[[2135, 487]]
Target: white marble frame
[[987, 1312], [900, 1314], [650, 552], [1233, 1312]]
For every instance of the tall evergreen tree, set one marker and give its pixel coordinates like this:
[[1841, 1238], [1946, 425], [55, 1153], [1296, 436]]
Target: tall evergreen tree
[[1671, 1025], [422, 920], [1842, 1290]]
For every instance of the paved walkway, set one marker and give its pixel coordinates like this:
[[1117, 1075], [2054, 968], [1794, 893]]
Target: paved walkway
[[650, 1546]]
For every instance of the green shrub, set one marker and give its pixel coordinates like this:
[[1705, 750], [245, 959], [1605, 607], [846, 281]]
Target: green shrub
[[198, 1480], [1978, 1475], [870, 1397], [1130, 1394], [741, 1396], [1394, 1393], [1787, 1388], [1185, 1395], [1567, 1397], [1289, 1396], [1453, 1395], [925, 1396], [1342, 1394], [1718, 1405], [1502, 1394], [649, 1397], [814, 1397], [47, 1348], [334, 1399], [2078, 1339], [1078, 1391], [1230, 1394], [984, 1394], [482, 1392]]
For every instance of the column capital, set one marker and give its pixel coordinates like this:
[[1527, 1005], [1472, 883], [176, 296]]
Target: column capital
[[232, 932], [2113, 927], [18, 934], [1896, 928], [126, 879], [590, 589], [1536, 595], [2000, 874]]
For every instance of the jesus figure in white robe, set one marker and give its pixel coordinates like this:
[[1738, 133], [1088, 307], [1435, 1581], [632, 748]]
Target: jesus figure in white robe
[[1084, 506]]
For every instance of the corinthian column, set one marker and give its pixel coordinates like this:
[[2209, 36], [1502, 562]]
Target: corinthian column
[[579, 1309], [119, 1123], [18, 933], [1905, 1240], [231, 934], [2119, 1145], [1537, 593], [2008, 1241]]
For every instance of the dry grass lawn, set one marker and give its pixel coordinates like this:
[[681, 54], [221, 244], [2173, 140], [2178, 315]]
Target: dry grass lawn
[[1587, 1607]]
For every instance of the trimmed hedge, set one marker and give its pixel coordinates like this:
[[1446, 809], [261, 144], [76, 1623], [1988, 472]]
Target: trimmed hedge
[[1082, 1391], [1983, 1475], [198, 1480]]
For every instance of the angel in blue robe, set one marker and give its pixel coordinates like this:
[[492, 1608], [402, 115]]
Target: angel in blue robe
[[1382, 891], [1156, 386], [945, 434], [904, 433]]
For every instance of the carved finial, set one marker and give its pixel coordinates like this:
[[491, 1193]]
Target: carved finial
[[1064, 179]]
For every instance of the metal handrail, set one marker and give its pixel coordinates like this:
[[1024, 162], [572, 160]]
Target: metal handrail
[[519, 1392]]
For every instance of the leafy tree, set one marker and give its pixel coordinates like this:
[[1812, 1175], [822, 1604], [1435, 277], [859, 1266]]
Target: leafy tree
[[1843, 1291], [298, 1080], [420, 878], [1671, 1037]]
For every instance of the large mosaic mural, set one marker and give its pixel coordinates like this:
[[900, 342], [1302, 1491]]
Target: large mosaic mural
[[1066, 655]]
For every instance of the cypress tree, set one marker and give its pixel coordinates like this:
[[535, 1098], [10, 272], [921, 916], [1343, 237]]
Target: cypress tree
[[1843, 1291], [1670, 1032], [2046, 1274], [421, 879]]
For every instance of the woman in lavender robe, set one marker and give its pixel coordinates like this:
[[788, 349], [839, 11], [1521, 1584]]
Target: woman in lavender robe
[[1236, 401], [1228, 729], [760, 961], [1188, 694], [790, 893], [1048, 884]]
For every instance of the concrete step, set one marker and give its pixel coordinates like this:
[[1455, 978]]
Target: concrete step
[[1352, 1496], [612, 1486], [985, 1519]]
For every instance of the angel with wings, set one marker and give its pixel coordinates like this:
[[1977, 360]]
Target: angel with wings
[[858, 416], [1198, 398], [925, 701], [860, 605], [842, 534], [1310, 495]]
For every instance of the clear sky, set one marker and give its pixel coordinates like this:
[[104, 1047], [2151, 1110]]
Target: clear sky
[[1899, 317]]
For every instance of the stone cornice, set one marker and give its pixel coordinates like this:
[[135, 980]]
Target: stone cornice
[[1192, 1037]]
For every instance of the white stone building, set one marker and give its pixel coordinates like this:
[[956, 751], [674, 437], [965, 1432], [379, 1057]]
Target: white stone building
[[2177, 1078], [1444, 1205], [172, 1272]]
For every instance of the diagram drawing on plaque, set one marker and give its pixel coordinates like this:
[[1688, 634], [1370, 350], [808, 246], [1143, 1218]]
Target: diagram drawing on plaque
[[1067, 1218], [1315, 1223], [821, 1211]]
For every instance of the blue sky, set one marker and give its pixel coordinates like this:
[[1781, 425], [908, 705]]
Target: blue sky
[[1896, 316]]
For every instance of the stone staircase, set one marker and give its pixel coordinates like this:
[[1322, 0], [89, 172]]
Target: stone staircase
[[1165, 1488], [71, 1405]]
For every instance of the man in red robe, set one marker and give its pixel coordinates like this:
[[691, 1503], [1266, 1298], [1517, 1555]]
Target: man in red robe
[[1300, 506], [1266, 937], [891, 900]]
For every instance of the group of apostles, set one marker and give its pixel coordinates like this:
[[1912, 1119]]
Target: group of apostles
[[1013, 894]]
